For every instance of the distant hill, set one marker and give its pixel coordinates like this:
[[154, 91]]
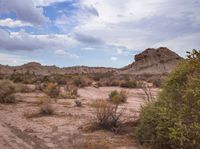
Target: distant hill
[[151, 61]]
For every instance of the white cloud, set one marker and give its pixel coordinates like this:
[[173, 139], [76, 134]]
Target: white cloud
[[113, 58], [13, 60], [47, 2], [64, 53], [87, 49], [25, 10], [8, 22], [182, 44], [25, 41], [142, 24]]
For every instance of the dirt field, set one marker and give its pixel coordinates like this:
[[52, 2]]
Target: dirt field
[[64, 129]]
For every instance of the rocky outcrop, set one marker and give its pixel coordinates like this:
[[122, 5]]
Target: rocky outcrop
[[153, 61]]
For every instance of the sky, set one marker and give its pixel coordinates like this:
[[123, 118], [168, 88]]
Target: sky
[[94, 32]]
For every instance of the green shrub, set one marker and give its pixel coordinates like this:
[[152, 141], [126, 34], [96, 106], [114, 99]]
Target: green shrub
[[129, 84], [173, 121], [118, 97], [7, 90]]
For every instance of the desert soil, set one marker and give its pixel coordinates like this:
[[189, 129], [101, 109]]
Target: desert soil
[[67, 127]]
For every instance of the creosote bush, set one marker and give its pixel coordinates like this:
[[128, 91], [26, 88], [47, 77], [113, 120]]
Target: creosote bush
[[118, 97], [173, 121], [7, 90]]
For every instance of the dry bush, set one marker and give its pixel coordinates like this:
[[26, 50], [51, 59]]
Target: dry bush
[[107, 116], [23, 88], [46, 107], [7, 90], [80, 81], [78, 103], [118, 97], [148, 97], [51, 89], [70, 92]]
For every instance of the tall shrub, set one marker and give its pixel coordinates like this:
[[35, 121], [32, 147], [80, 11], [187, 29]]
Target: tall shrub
[[173, 121]]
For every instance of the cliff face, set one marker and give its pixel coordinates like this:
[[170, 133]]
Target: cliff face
[[153, 61]]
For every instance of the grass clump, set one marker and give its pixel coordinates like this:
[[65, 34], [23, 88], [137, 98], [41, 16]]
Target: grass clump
[[7, 90], [118, 97], [173, 121]]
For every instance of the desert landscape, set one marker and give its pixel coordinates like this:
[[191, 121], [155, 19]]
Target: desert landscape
[[63, 110], [99, 74], [67, 127]]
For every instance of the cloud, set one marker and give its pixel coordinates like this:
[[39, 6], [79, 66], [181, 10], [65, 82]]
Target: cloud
[[88, 49], [48, 2], [25, 10], [13, 60], [142, 24], [182, 44], [24, 41], [87, 39], [113, 58], [8, 22], [63, 53], [75, 15]]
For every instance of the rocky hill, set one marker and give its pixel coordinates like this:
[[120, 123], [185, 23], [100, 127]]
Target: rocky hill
[[153, 61]]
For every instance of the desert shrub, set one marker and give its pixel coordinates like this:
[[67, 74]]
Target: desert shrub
[[26, 78], [79, 81], [148, 96], [51, 89], [107, 116], [118, 97], [46, 106], [7, 90], [23, 88], [70, 92], [78, 103], [173, 121], [157, 83], [129, 84]]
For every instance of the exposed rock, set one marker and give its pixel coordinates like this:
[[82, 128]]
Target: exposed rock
[[153, 61]]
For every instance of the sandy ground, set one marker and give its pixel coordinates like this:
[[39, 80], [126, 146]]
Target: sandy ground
[[64, 129]]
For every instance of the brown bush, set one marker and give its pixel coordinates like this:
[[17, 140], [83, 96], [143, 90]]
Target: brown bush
[[107, 115], [7, 90], [46, 106], [78, 103]]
